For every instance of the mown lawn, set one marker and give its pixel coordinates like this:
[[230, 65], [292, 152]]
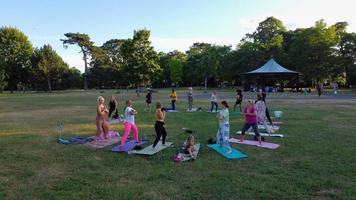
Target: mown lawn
[[316, 160]]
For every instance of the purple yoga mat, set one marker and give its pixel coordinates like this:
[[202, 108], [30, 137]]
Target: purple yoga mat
[[128, 146], [266, 145]]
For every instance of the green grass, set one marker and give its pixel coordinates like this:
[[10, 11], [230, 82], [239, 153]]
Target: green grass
[[316, 159]]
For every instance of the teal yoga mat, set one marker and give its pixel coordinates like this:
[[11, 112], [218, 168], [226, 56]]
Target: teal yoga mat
[[222, 151]]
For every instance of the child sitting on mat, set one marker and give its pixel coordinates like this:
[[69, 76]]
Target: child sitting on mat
[[250, 120], [129, 123], [223, 134], [187, 148], [160, 130], [102, 127]]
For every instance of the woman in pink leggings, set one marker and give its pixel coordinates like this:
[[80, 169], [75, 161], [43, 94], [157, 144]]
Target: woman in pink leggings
[[129, 123]]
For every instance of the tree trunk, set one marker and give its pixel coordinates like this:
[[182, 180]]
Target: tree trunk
[[49, 84], [85, 69], [206, 83]]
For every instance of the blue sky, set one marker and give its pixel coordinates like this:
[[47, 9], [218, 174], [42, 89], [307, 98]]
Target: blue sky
[[174, 24]]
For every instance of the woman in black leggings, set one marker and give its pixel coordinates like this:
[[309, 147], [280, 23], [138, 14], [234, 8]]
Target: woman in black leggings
[[159, 126]]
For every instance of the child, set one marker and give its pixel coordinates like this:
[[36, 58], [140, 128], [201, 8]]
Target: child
[[223, 134], [238, 99], [113, 107], [214, 102], [129, 123], [250, 120], [149, 100], [160, 130], [173, 97], [190, 98], [187, 148], [101, 125]]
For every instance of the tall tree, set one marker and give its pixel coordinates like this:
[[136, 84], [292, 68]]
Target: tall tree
[[49, 63], [176, 70], [15, 55], [141, 60], [85, 45]]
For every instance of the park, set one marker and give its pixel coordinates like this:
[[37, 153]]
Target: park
[[271, 116]]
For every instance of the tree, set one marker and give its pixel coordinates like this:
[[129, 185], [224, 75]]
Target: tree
[[49, 63], [348, 53], [83, 41], [15, 54], [141, 60], [176, 70]]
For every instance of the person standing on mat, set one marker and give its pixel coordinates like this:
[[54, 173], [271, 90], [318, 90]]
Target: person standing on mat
[[263, 94], [238, 99], [214, 102], [148, 101], [159, 126], [129, 123], [261, 113], [102, 127], [113, 107], [190, 99], [173, 97], [223, 134], [250, 121]]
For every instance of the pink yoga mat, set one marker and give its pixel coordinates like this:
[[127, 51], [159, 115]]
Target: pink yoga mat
[[266, 145]]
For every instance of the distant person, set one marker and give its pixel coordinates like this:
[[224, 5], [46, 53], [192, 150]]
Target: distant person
[[173, 97], [335, 88], [190, 98], [113, 107], [102, 127], [148, 100], [159, 125], [238, 99], [223, 134], [214, 102], [129, 123], [250, 121], [320, 88]]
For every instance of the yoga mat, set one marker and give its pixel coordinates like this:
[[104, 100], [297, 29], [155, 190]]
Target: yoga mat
[[266, 145], [171, 110], [149, 151], [101, 143], [128, 146], [213, 111], [262, 134], [187, 157], [274, 128], [75, 140], [222, 151], [276, 123]]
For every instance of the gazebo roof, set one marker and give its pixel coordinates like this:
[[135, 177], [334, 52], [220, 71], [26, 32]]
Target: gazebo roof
[[272, 67]]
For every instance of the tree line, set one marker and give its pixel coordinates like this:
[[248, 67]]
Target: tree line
[[321, 53]]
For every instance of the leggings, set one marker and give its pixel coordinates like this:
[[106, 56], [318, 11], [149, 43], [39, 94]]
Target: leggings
[[247, 126], [212, 106], [160, 131], [128, 126], [222, 136], [174, 104], [268, 116]]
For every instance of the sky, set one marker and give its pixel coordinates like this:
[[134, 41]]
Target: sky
[[174, 24]]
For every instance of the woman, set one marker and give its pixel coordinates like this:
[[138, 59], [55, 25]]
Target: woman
[[214, 102], [223, 134], [129, 123], [159, 125], [261, 112], [250, 121], [102, 127], [113, 107], [173, 97], [238, 99]]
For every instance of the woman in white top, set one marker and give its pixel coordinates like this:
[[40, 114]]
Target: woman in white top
[[129, 123], [261, 112]]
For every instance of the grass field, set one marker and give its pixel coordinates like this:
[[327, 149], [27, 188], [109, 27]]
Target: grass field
[[316, 160]]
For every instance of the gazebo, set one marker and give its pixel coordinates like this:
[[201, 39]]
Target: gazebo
[[273, 72]]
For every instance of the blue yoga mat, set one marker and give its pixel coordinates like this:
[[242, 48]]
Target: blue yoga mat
[[222, 150]]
